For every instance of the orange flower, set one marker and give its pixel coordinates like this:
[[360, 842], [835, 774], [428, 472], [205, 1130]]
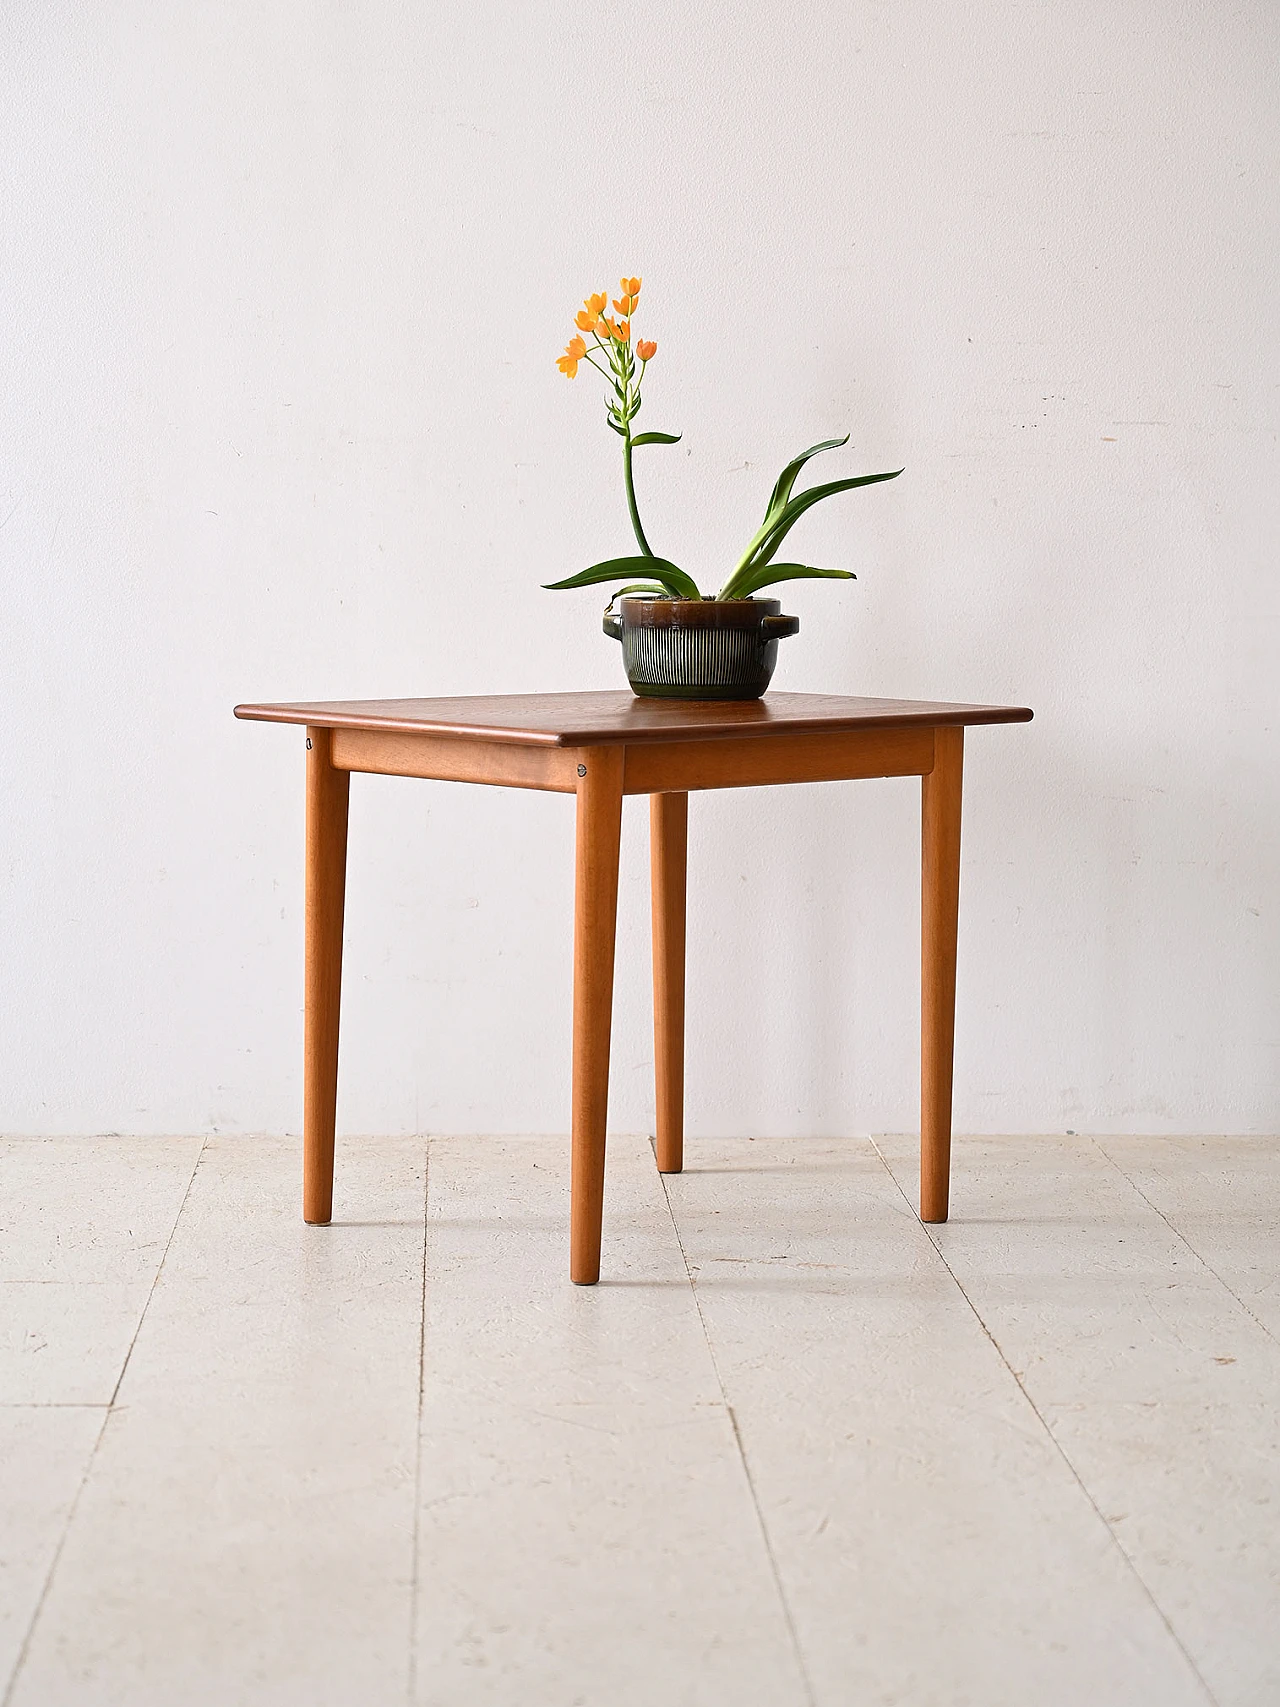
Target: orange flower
[[624, 306], [607, 327], [622, 331], [596, 304], [588, 322], [646, 349], [574, 351], [629, 287]]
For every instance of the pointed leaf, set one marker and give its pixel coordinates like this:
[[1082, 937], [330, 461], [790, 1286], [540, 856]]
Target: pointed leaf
[[797, 507], [637, 587], [786, 480], [781, 494], [769, 574], [657, 438], [673, 578]]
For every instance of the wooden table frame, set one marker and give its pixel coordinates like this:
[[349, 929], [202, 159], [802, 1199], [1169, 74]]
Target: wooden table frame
[[667, 758]]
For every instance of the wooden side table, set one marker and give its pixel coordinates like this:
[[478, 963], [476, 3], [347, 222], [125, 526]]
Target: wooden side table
[[600, 747]]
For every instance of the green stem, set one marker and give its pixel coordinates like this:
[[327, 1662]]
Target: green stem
[[744, 562], [631, 494]]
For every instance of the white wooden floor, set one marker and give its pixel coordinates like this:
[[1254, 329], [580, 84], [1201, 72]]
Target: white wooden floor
[[794, 1449]]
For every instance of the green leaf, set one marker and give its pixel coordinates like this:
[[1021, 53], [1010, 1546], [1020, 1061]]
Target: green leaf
[[780, 497], [786, 480], [673, 578], [637, 587], [793, 511], [657, 438], [769, 574]]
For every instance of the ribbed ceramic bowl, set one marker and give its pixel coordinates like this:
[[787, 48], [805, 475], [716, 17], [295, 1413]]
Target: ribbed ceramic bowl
[[699, 648]]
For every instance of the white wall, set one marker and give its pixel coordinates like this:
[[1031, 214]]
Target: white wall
[[284, 285]]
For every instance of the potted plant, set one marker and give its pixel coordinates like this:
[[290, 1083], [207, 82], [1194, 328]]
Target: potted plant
[[678, 642]]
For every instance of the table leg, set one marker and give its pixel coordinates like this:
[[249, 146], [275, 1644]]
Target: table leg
[[594, 925], [939, 914], [327, 793], [668, 859]]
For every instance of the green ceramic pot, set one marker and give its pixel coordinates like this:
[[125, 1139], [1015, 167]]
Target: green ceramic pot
[[699, 648]]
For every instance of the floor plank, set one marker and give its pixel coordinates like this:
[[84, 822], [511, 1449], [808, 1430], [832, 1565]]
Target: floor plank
[[44, 1454], [587, 1532], [933, 1546], [83, 1227], [1222, 1195], [245, 1533], [1162, 1390]]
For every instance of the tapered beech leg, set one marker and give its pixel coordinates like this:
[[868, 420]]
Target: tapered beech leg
[[939, 914], [668, 860], [327, 793], [594, 923]]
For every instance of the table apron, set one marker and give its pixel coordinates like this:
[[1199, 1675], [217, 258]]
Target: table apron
[[454, 758], [666, 767], [657, 767]]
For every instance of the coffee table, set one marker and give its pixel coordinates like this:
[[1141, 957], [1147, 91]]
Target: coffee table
[[600, 747]]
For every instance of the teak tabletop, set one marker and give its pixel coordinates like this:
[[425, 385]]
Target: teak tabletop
[[587, 719], [600, 747]]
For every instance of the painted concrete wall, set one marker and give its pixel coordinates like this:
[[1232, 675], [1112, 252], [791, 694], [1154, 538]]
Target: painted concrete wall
[[284, 285]]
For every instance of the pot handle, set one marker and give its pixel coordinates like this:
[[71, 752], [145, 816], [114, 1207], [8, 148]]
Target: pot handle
[[613, 625], [779, 627]]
